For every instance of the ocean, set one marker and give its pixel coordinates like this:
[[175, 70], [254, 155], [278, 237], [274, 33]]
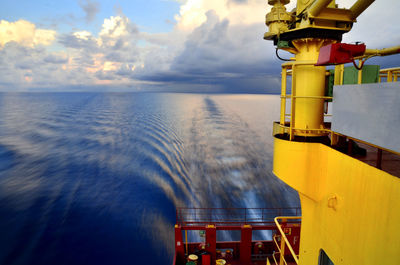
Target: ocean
[[95, 178]]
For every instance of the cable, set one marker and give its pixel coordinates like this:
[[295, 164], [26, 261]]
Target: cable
[[280, 58], [356, 66]]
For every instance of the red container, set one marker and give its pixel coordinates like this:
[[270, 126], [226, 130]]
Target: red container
[[339, 53]]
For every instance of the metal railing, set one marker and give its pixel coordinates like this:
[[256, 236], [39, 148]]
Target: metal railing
[[288, 69], [231, 216], [286, 123], [284, 242], [390, 74]]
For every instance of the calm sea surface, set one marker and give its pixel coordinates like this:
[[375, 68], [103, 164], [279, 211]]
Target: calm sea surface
[[95, 178]]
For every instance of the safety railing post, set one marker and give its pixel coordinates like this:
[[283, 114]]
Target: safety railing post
[[282, 255], [360, 63], [283, 95], [389, 76], [292, 103]]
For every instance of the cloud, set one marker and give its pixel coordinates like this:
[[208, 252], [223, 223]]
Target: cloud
[[90, 8], [215, 46], [117, 31], [24, 66], [79, 40], [220, 54], [377, 26], [193, 12], [56, 58], [24, 33]]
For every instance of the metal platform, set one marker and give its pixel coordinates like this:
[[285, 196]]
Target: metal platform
[[246, 220]]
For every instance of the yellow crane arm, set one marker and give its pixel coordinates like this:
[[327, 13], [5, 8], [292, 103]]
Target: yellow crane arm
[[382, 52]]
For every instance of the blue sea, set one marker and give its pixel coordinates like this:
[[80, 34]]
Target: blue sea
[[95, 178]]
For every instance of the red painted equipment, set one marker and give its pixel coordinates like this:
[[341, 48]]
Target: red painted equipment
[[259, 248], [246, 220], [339, 53], [245, 244], [206, 260]]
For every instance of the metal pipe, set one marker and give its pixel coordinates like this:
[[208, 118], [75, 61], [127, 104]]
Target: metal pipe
[[318, 6], [359, 7], [383, 52]]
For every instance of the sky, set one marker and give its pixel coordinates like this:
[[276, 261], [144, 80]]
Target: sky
[[156, 45]]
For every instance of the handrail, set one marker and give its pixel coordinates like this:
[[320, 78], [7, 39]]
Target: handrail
[[391, 75], [285, 240], [279, 252], [231, 216], [393, 69]]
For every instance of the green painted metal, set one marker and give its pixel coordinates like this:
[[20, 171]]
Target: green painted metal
[[370, 74], [329, 84], [283, 44]]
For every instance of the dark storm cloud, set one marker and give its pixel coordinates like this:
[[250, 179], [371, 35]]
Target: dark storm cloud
[[21, 57], [125, 70], [25, 66], [126, 55], [90, 8], [225, 56], [106, 75], [72, 41], [385, 62], [55, 59], [83, 60]]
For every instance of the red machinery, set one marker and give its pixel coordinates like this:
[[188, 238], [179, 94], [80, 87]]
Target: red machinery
[[339, 53]]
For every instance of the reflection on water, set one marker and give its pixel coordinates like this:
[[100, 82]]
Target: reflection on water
[[89, 178]]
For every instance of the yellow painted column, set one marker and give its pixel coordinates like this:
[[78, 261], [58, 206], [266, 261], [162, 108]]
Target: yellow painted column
[[309, 84], [389, 76], [339, 70]]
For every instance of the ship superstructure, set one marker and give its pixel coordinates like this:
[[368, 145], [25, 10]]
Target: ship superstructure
[[350, 209], [345, 164]]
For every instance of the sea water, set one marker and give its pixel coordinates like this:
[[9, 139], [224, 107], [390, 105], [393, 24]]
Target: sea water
[[95, 178]]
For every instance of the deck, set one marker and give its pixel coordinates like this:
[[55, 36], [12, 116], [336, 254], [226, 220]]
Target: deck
[[207, 221], [388, 162]]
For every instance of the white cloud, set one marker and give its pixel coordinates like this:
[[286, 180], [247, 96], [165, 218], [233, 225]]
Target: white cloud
[[83, 35], [214, 44], [116, 28], [193, 12], [24, 33]]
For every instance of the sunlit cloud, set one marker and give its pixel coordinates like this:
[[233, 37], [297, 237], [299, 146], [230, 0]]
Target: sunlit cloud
[[25, 33], [83, 35], [193, 13], [214, 46]]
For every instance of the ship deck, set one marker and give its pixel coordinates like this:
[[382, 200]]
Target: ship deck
[[388, 162], [248, 251]]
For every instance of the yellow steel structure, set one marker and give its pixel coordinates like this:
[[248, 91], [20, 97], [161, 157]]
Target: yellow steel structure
[[382, 52], [350, 210], [391, 74], [308, 86]]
